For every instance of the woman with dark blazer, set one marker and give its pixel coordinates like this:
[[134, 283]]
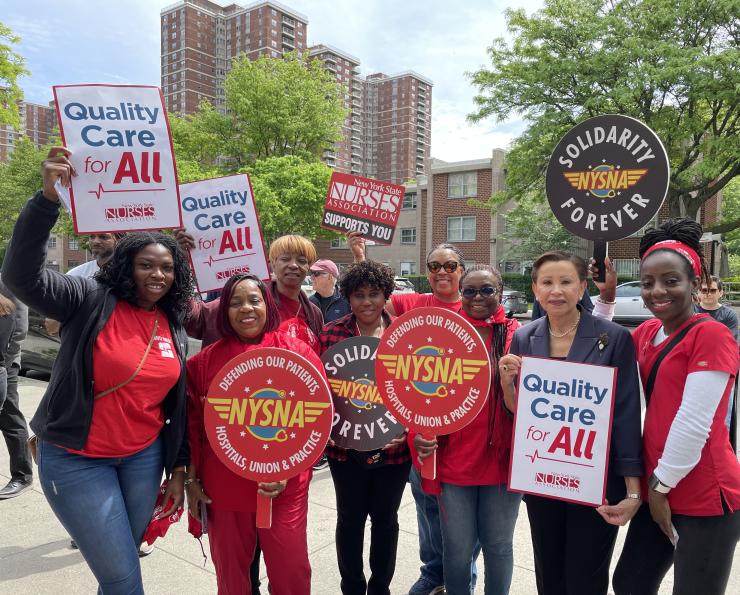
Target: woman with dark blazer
[[573, 543]]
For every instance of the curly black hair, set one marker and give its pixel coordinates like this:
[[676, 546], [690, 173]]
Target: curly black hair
[[686, 231], [367, 274], [118, 273]]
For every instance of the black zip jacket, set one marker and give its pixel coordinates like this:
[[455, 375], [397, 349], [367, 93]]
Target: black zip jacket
[[83, 306]]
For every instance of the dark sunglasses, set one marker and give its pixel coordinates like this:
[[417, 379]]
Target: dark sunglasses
[[317, 273], [486, 292], [450, 266], [712, 291]]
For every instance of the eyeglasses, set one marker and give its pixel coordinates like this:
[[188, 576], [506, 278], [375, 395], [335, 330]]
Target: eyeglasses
[[712, 291], [486, 292], [450, 266], [317, 273]]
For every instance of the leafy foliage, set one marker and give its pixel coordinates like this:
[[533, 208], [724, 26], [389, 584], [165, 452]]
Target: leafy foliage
[[673, 64], [12, 67]]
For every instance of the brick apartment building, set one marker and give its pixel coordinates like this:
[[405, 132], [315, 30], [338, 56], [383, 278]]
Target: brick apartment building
[[387, 132], [38, 123]]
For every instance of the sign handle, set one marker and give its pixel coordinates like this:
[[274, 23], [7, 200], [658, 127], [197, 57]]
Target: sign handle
[[600, 252], [264, 512], [429, 464]]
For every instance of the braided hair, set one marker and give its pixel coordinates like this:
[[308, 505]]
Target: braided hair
[[498, 346], [686, 231]]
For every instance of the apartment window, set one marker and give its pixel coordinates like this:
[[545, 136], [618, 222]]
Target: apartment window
[[52, 243], [461, 229], [73, 244], [338, 243], [627, 267], [462, 185], [72, 264], [407, 268], [408, 235], [409, 200]]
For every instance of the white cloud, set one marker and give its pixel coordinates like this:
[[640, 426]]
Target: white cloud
[[82, 41]]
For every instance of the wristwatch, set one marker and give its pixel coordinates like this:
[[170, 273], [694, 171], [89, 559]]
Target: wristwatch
[[634, 496], [655, 484]]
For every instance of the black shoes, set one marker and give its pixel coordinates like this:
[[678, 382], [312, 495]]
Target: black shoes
[[15, 488]]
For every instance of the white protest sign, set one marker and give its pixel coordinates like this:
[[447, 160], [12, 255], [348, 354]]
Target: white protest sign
[[562, 430], [121, 148], [221, 216]]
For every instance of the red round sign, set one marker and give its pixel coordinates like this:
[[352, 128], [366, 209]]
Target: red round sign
[[433, 371], [268, 414]]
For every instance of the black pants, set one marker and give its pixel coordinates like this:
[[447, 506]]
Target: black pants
[[362, 492], [14, 430], [573, 546], [702, 557]]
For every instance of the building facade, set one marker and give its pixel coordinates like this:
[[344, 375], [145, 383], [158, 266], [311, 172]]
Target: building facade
[[37, 123]]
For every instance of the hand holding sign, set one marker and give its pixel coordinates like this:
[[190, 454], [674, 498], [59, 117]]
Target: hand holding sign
[[433, 373], [268, 416]]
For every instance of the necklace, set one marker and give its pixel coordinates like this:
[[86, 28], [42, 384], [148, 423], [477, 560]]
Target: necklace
[[570, 330], [376, 333]]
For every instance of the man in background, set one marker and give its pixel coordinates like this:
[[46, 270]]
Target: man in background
[[324, 274]]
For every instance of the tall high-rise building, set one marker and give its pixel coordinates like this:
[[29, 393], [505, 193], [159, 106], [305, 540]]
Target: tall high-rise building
[[200, 38], [387, 131], [37, 123]]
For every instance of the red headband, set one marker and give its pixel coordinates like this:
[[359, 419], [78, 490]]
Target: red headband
[[686, 251]]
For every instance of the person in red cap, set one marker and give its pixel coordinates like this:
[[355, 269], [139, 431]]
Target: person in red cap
[[333, 305]]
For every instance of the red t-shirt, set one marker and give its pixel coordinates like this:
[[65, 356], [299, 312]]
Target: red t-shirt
[[403, 302], [708, 347], [130, 418], [294, 324]]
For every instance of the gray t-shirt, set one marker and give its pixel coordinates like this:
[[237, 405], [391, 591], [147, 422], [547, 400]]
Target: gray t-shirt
[[723, 314]]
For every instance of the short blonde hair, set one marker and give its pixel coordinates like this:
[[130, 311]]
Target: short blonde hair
[[293, 244]]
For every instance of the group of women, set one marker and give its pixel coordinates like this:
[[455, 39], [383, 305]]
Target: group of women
[[124, 406]]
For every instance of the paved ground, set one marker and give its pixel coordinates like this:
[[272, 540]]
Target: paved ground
[[35, 556]]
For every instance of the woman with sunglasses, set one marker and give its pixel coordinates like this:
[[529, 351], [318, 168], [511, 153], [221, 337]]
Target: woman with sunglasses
[[473, 463], [248, 317], [366, 483], [693, 471], [573, 543]]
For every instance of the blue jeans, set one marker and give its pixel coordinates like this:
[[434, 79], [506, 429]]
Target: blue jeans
[[472, 515], [430, 535], [105, 505]]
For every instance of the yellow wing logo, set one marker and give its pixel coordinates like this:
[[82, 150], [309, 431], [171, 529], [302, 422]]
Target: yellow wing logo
[[221, 406], [390, 362], [312, 410], [336, 385], [604, 178], [471, 367]]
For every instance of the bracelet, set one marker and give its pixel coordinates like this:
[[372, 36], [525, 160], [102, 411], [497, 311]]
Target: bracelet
[[634, 496], [191, 480], [607, 303]]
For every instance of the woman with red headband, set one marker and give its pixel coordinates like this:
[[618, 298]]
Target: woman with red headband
[[248, 317], [688, 363]]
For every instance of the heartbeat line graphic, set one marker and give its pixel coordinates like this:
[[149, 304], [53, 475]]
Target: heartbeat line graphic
[[537, 455], [211, 260], [102, 190]]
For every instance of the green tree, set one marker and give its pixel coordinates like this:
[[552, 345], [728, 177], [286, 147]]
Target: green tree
[[533, 230], [730, 211], [674, 64], [20, 179], [289, 193], [12, 67]]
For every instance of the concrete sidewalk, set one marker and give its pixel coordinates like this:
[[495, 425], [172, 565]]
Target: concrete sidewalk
[[35, 556]]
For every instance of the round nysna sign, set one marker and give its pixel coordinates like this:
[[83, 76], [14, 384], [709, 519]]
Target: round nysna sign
[[268, 414], [607, 177], [361, 420], [433, 371]]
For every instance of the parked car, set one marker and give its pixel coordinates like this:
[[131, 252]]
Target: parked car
[[629, 306], [514, 302], [39, 349], [403, 285]]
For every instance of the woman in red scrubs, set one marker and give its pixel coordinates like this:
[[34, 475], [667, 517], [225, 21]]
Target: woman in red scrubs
[[247, 318], [690, 519]]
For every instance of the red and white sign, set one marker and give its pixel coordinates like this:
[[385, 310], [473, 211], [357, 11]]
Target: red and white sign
[[433, 372], [268, 414], [222, 218], [361, 204], [121, 148], [562, 430]]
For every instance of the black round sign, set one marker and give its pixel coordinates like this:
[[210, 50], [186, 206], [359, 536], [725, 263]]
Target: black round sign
[[607, 178], [361, 421]]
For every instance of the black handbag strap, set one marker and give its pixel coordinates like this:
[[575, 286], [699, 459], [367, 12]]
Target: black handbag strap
[[675, 340]]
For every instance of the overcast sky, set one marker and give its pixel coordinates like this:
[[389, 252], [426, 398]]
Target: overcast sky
[[84, 41]]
